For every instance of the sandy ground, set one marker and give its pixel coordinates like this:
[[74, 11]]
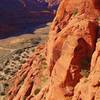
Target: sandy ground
[[14, 51], [12, 43]]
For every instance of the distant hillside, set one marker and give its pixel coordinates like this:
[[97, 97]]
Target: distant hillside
[[17, 15]]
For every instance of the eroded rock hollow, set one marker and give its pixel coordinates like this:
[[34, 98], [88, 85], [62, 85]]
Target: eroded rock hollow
[[56, 70]]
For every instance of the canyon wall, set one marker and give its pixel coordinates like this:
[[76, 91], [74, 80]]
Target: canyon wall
[[18, 15], [73, 46]]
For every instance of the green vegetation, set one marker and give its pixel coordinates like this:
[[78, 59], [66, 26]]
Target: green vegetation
[[37, 91], [85, 73], [85, 63], [86, 80], [42, 57], [75, 11], [19, 51], [44, 65], [98, 19], [43, 61], [7, 70], [6, 84], [24, 98], [2, 93], [22, 61], [33, 49], [44, 79]]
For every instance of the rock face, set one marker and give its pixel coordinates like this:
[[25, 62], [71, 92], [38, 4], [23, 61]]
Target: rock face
[[31, 77], [72, 41], [90, 87]]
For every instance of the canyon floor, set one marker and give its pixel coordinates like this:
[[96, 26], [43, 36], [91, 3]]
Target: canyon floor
[[15, 50]]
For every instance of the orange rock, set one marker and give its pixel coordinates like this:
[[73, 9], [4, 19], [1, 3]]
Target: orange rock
[[82, 23], [95, 55], [71, 41], [90, 87]]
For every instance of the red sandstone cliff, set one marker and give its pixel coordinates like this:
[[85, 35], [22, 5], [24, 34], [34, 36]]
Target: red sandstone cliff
[[89, 88], [74, 35]]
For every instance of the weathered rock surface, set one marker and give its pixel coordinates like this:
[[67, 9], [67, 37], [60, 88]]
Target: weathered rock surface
[[90, 87], [72, 40], [65, 52], [32, 77]]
